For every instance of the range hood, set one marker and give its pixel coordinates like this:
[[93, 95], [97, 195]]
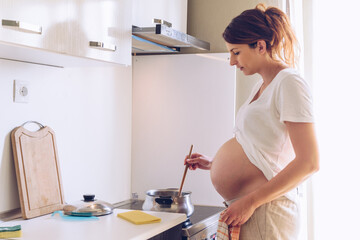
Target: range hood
[[163, 39]]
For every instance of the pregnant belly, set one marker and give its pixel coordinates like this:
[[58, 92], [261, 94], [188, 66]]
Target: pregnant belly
[[232, 174]]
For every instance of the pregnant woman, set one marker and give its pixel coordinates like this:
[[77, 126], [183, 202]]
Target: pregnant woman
[[274, 147]]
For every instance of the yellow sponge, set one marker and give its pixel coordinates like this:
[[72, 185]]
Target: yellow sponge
[[10, 232], [15, 234], [138, 217]]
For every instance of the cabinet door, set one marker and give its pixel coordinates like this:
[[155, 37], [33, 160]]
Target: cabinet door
[[174, 11], [100, 30], [36, 23]]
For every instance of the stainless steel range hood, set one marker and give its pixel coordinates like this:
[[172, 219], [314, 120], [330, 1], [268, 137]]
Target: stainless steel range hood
[[163, 39]]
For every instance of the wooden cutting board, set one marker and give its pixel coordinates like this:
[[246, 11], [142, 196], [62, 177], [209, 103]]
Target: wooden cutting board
[[37, 171]]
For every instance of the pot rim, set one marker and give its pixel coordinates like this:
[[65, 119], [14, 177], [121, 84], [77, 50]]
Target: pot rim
[[174, 192]]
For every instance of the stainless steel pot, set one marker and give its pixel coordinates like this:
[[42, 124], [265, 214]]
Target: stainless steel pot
[[167, 200]]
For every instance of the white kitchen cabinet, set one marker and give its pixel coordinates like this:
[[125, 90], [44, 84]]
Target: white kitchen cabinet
[[39, 23], [106, 24], [66, 28], [174, 11]]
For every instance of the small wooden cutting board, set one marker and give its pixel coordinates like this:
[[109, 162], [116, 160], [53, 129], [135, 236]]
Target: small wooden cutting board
[[37, 171]]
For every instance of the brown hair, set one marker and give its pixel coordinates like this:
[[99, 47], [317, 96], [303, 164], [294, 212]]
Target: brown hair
[[269, 24]]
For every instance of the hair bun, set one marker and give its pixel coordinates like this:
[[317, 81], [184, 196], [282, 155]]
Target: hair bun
[[262, 7], [266, 11]]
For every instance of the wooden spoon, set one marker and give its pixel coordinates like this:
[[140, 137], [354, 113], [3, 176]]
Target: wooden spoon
[[185, 171]]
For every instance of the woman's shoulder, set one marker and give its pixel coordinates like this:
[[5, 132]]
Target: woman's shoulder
[[292, 83], [287, 73], [290, 76]]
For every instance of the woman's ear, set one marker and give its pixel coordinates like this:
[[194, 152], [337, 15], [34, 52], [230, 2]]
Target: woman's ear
[[261, 44]]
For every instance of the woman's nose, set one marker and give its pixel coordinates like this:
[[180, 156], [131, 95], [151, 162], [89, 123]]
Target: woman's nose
[[232, 61]]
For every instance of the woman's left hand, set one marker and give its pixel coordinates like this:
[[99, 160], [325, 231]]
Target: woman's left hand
[[239, 211]]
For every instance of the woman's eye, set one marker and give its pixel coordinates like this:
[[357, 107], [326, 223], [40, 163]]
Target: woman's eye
[[236, 53]]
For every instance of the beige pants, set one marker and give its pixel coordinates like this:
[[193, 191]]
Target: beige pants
[[276, 220]]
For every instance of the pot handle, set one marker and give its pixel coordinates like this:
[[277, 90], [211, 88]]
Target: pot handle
[[164, 201]]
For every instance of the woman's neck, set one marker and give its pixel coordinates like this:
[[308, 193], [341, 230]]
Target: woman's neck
[[269, 72]]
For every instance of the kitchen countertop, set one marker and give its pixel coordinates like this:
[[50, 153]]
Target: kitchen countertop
[[105, 227]]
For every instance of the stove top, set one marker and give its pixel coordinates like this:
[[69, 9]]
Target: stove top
[[203, 216], [201, 213]]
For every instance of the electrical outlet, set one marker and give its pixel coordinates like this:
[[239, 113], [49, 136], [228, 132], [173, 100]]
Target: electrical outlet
[[21, 91]]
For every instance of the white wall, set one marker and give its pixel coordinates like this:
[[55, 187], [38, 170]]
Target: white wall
[[90, 111], [179, 100]]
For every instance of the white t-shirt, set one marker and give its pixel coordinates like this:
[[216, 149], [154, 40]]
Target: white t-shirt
[[260, 127]]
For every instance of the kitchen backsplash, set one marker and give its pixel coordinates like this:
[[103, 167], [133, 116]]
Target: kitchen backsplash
[[89, 108]]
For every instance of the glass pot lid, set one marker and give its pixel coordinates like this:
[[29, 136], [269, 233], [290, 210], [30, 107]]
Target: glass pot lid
[[89, 206]]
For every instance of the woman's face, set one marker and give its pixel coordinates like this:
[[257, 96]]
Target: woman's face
[[243, 57]]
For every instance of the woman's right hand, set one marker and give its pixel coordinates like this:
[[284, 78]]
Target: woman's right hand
[[198, 160]]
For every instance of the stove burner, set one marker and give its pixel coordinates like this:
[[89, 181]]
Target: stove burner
[[187, 223]]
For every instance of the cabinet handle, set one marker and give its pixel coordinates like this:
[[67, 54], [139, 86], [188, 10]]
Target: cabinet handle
[[160, 21], [23, 26], [103, 46]]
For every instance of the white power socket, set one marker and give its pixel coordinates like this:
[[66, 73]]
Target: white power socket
[[21, 91]]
